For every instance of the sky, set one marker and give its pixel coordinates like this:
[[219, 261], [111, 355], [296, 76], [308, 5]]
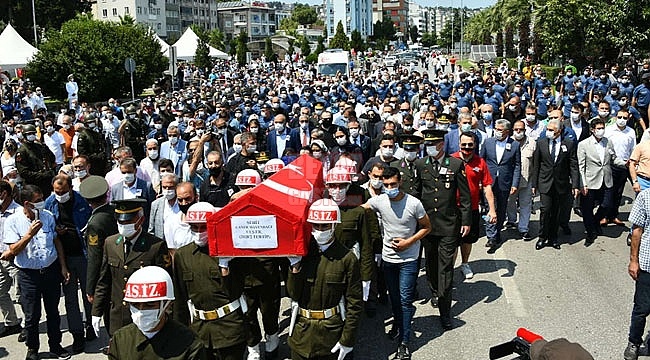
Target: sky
[[472, 4]]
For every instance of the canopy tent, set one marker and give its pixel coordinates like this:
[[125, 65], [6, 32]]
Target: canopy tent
[[186, 47], [15, 52], [164, 47]]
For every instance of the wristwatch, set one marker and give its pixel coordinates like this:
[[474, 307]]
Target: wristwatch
[[635, 181]]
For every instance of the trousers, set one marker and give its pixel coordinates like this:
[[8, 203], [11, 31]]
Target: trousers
[[641, 308], [521, 203], [77, 266], [7, 273]]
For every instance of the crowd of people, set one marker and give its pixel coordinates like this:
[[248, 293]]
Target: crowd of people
[[92, 192]]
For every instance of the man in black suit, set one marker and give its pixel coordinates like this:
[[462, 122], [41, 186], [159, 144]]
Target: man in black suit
[[359, 139], [301, 135], [555, 174]]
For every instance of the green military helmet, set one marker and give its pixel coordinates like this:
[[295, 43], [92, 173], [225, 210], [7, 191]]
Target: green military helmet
[[130, 110], [28, 129], [90, 118]]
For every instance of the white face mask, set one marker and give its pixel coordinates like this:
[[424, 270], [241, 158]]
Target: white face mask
[[80, 174], [169, 193], [575, 117], [39, 205], [251, 148], [128, 178], [338, 195], [512, 107], [62, 199], [50, 129], [430, 124], [465, 127], [433, 151], [126, 230], [31, 137], [322, 237], [173, 140], [200, 238], [599, 133], [387, 152], [341, 141], [621, 122], [153, 154], [411, 155], [145, 320], [530, 118], [304, 126], [316, 154], [354, 132], [255, 130], [550, 134], [603, 113], [498, 134], [279, 127], [519, 135], [376, 183], [237, 148]]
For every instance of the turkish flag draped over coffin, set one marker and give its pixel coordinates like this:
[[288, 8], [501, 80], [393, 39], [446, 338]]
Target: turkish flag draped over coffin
[[270, 220]]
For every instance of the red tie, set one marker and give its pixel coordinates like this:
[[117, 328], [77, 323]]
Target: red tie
[[304, 138]]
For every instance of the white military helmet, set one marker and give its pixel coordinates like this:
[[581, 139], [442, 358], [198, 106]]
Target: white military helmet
[[198, 213], [248, 177], [273, 166], [324, 211], [338, 175], [150, 283]]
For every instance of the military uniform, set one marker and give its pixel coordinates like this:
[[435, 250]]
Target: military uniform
[[134, 134], [262, 290], [173, 342], [117, 267], [407, 168], [100, 226], [36, 165], [323, 280], [439, 185], [197, 277], [92, 144]]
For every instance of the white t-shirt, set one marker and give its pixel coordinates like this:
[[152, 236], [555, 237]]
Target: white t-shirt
[[54, 143]]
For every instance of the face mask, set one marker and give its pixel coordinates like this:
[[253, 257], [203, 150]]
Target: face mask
[[444, 127], [31, 137], [50, 129], [575, 117], [145, 320], [354, 132], [376, 183], [157, 126], [392, 193], [91, 125], [603, 113], [322, 237], [10, 129], [622, 102], [279, 127], [126, 230], [62, 199], [498, 134], [237, 148], [317, 154], [530, 118], [185, 207], [599, 133], [251, 148], [461, 90], [512, 107], [424, 108], [465, 127], [408, 127], [169, 193], [173, 140], [153, 154], [545, 92], [387, 152], [430, 124], [411, 155], [338, 195], [19, 136], [200, 239], [550, 134], [453, 105], [128, 178], [80, 174], [255, 130], [621, 122], [519, 135], [341, 141], [487, 116], [216, 171], [432, 151]]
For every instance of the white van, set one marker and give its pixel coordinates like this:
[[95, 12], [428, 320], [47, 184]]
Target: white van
[[332, 61]]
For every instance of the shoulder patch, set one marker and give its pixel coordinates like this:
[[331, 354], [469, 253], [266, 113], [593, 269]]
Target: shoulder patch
[[93, 240]]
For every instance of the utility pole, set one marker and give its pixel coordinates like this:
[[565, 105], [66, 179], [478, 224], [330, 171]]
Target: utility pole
[[34, 20]]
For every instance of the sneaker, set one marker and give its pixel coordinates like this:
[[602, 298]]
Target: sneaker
[[60, 352], [525, 236], [467, 271], [254, 353], [32, 354], [631, 352], [510, 225], [403, 352]]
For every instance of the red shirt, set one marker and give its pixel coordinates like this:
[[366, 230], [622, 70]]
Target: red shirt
[[478, 176]]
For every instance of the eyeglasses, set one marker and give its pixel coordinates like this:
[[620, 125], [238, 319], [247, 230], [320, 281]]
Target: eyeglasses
[[553, 117], [518, 130], [214, 163], [622, 117]]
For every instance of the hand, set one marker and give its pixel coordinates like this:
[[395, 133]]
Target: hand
[[7, 255], [533, 191], [205, 138], [493, 217], [66, 275], [633, 269], [61, 229], [95, 322], [576, 192], [90, 298], [513, 190], [342, 349], [293, 260], [224, 262], [636, 187], [464, 230], [365, 285], [35, 226], [400, 244], [584, 191]]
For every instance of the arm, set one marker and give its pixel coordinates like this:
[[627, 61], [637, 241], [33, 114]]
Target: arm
[[489, 196], [103, 287], [367, 256], [61, 257], [575, 173], [353, 302], [633, 268], [424, 225], [181, 312], [582, 165], [17, 247], [517, 174]]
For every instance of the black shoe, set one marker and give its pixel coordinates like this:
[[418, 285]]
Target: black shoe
[[541, 243], [566, 230], [104, 350], [60, 352], [90, 334], [631, 352], [445, 321], [394, 333], [78, 344], [491, 242], [525, 236], [556, 245], [403, 352], [10, 330], [577, 211], [23, 335], [589, 240], [434, 301], [599, 230], [32, 354], [510, 225]]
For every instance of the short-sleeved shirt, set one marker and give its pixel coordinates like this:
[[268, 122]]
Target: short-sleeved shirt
[[399, 220], [12, 208], [54, 143], [639, 217], [478, 175], [177, 232], [641, 156], [40, 251]]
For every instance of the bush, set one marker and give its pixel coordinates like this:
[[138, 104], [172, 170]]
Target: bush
[[311, 58], [94, 51]]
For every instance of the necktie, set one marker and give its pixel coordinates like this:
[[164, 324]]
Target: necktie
[[436, 165], [224, 146], [553, 149], [304, 138], [127, 248]]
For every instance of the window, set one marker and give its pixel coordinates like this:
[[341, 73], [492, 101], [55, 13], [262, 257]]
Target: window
[[105, 13], [114, 11], [159, 26], [126, 10], [138, 10]]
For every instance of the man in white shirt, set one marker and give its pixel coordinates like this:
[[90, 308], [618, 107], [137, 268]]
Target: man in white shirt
[[73, 91], [177, 231], [165, 207], [623, 140], [54, 141], [8, 271], [36, 100]]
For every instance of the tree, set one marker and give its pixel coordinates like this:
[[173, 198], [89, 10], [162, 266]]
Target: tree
[[305, 49], [50, 14], [429, 39], [233, 47], [291, 50], [414, 33], [384, 31], [321, 45], [477, 29], [268, 49], [216, 40], [202, 55], [340, 40], [81, 48], [448, 32], [304, 14], [242, 48], [289, 25], [356, 41]]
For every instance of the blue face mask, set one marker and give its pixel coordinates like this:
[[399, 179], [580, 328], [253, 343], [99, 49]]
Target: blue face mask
[[487, 116], [392, 193]]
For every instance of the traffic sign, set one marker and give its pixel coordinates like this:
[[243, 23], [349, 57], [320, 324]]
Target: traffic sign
[[129, 65]]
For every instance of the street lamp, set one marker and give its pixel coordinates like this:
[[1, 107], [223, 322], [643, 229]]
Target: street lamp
[[34, 19]]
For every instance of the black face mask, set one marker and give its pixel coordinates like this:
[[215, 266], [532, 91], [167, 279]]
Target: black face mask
[[185, 207], [216, 171]]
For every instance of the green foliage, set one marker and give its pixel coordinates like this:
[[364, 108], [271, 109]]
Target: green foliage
[[340, 40], [242, 48], [477, 30], [429, 39], [356, 41], [233, 47], [289, 25], [304, 14], [384, 31], [50, 14], [200, 32], [321, 45], [202, 55], [312, 58], [291, 49], [268, 48], [94, 51], [414, 33], [305, 49], [449, 32], [216, 40]]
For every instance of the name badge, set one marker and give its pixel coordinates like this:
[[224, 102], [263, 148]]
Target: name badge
[[138, 192], [443, 171], [508, 146], [564, 148]]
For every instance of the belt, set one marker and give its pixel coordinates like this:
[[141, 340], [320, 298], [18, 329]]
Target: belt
[[643, 177], [43, 270], [319, 314], [217, 313]]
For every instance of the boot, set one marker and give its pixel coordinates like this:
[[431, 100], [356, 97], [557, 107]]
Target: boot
[[271, 346], [254, 352]]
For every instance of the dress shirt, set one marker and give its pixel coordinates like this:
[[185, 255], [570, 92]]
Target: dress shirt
[[40, 251], [500, 148], [130, 192], [623, 141], [557, 147]]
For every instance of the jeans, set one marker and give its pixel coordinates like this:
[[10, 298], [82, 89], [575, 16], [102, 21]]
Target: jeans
[[588, 202], [620, 175], [525, 198], [7, 308], [641, 308], [493, 231], [77, 266], [42, 284], [400, 281]]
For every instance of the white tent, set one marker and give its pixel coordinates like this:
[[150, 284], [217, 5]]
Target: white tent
[[15, 52], [164, 47], [186, 47]]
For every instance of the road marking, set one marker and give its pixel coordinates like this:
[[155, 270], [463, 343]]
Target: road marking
[[510, 289]]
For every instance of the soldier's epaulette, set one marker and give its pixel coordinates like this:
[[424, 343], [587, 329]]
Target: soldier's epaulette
[[119, 240]]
